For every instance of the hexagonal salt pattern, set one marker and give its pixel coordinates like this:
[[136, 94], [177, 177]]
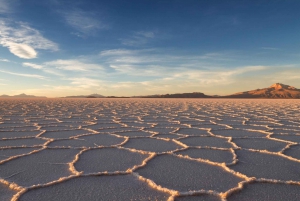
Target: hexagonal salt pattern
[[149, 149]]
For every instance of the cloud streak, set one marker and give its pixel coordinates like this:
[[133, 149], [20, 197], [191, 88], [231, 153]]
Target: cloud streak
[[24, 75], [22, 40], [84, 22]]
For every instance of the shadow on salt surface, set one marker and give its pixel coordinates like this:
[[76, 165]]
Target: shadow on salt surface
[[134, 134], [207, 141], [96, 188], [7, 153], [293, 138], [22, 142], [238, 133], [198, 198], [260, 144], [264, 165], [108, 159], [293, 151], [93, 140], [13, 134], [151, 145], [214, 155], [192, 131], [267, 192], [6, 193], [38, 168], [65, 134], [186, 175]]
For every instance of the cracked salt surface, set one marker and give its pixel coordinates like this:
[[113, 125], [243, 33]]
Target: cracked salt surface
[[149, 149]]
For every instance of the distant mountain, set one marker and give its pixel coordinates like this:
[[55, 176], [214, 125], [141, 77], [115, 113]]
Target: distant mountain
[[276, 90], [86, 96], [22, 96], [179, 95]]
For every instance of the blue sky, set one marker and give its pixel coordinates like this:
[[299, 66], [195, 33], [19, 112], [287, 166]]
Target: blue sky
[[138, 47]]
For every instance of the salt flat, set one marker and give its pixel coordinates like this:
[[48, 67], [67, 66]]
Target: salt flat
[[149, 149]]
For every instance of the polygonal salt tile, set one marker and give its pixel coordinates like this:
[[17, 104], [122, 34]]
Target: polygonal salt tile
[[264, 165], [152, 145], [97, 188], [186, 175], [260, 143], [38, 168], [58, 128], [102, 126], [64, 134], [207, 141], [6, 193], [93, 140], [21, 134], [192, 131], [209, 126], [238, 133], [134, 133], [137, 124], [267, 192], [161, 130], [292, 138], [293, 151], [16, 129], [116, 130], [198, 198], [22, 142], [15, 125], [108, 159], [252, 127], [7, 153], [169, 136], [214, 155]]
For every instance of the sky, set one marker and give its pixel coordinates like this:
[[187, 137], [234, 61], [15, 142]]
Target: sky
[[58, 48]]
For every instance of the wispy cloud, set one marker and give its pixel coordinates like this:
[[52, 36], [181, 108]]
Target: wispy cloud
[[4, 60], [22, 40], [72, 65], [35, 66], [84, 22], [24, 75], [138, 38], [84, 82]]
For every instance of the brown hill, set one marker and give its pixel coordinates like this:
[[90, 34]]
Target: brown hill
[[276, 90]]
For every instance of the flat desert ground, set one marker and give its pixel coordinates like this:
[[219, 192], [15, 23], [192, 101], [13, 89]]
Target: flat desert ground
[[149, 149]]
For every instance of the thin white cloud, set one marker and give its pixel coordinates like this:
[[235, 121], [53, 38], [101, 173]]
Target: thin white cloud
[[35, 66], [84, 82], [24, 75], [138, 38], [73, 65], [4, 60], [83, 22], [22, 40]]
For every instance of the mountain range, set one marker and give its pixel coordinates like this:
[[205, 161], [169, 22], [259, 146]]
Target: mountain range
[[22, 96], [275, 91]]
